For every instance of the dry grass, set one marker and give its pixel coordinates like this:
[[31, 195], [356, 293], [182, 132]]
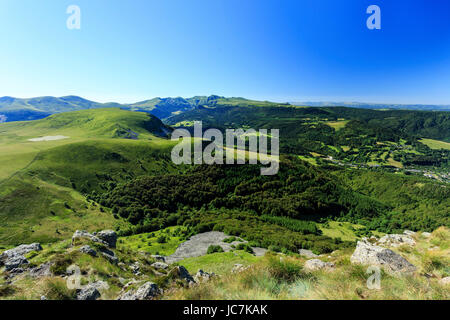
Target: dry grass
[[283, 277]]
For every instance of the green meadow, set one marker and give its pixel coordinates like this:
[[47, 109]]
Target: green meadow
[[43, 184]]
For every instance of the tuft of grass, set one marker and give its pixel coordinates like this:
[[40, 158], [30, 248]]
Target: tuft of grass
[[56, 289], [61, 263], [285, 269], [6, 290]]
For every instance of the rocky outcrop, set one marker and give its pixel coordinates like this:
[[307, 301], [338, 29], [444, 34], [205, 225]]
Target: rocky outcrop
[[81, 234], [160, 265], [307, 253], [41, 271], [409, 232], [145, 292], [14, 258], [396, 240], [369, 254], [202, 276], [90, 292], [108, 236], [158, 258], [238, 268], [88, 250], [21, 250], [181, 273], [15, 262], [316, 264], [109, 255], [426, 234], [136, 268]]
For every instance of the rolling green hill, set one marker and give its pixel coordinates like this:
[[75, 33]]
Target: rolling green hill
[[43, 182]]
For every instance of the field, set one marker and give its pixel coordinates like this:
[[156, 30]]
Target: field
[[163, 242], [436, 144], [337, 125], [219, 263]]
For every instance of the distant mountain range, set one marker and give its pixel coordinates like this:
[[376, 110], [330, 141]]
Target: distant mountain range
[[16, 109], [363, 105]]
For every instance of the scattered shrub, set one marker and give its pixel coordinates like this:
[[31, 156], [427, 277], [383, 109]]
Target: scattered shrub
[[213, 249]]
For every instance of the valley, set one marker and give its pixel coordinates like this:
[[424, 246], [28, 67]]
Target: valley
[[345, 174]]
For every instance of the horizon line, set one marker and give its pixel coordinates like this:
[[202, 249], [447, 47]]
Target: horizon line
[[293, 101]]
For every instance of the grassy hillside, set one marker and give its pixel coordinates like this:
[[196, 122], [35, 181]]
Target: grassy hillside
[[286, 278], [43, 183]]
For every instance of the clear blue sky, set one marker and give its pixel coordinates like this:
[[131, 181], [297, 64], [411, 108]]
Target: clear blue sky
[[279, 50]]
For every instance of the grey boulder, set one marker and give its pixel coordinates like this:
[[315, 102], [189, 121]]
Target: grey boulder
[[90, 292], [202, 276], [81, 234], [109, 236], [369, 254], [15, 262], [14, 258], [160, 265], [21, 250], [145, 292], [396, 240], [88, 250], [181, 273], [316, 264], [307, 253]]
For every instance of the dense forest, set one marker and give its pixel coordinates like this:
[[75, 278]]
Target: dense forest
[[305, 130], [240, 201]]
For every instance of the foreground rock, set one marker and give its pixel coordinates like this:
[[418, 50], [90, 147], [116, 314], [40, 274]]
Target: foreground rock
[[22, 250], [109, 255], [81, 234], [41, 271], [160, 265], [369, 254], [90, 292], [14, 258], [316, 264], [395, 240], [88, 250], [108, 236], [158, 258], [202, 276], [445, 281], [238, 268], [307, 253], [181, 273], [409, 232], [144, 292]]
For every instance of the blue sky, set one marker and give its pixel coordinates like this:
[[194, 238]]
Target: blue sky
[[297, 50]]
